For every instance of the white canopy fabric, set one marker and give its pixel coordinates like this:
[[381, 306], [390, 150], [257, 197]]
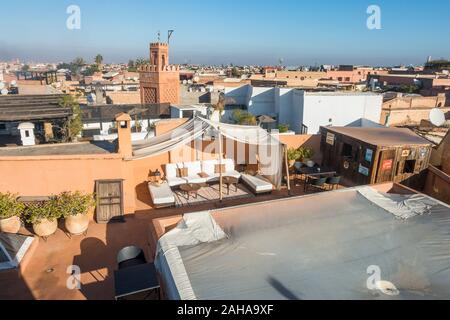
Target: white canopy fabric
[[269, 149]]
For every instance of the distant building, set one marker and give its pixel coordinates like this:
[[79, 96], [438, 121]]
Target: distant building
[[303, 111], [159, 81], [403, 109], [42, 111], [289, 78], [353, 74], [99, 121]]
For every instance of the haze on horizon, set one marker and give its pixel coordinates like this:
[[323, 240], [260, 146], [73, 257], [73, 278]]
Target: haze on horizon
[[239, 32]]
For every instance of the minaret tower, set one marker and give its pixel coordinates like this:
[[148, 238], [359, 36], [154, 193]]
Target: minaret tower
[[159, 81]]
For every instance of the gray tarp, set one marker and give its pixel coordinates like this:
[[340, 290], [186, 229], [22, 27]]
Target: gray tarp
[[318, 247]]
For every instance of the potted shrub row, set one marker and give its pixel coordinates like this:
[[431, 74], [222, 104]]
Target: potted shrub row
[[72, 206]]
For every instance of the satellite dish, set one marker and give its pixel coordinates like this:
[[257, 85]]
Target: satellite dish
[[4, 92], [2, 85], [437, 117], [13, 83]]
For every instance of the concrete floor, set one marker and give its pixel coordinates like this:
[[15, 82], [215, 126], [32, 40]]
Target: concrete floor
[[46, 275]]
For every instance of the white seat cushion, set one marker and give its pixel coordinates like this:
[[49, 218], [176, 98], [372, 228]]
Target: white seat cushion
[[195, 179], [161, 195], [194, 168], [209, 166], [257, 183], [229, 165], [171, 170], [175, 181]]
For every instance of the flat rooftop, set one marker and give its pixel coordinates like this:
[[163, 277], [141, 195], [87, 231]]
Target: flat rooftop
[[314, 247], [83, 148], [382, 136]]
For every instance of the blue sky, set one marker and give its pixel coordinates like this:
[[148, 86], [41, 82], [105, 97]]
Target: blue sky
[[234, 31]]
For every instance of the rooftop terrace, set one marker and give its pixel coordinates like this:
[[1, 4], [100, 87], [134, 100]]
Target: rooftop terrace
[[83, 148]]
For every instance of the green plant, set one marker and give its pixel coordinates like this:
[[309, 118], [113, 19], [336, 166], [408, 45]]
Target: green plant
[[283, 128], [9, 206], [75, 124], [37, 211], [293, 154], [305, 153], [74, 203], [244, 118]]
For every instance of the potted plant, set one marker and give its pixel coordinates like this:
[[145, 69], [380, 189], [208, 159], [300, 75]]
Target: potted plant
[[283, 128], [306, 156], [75, 207], [43, 216], [10, 213], [293, 155]]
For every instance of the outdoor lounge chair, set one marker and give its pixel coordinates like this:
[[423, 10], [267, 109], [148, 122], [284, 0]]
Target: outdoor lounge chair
[[162, 195], [257, 183], [130, 256]]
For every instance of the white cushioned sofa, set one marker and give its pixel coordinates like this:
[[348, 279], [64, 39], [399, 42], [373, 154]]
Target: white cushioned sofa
[[196, 168]]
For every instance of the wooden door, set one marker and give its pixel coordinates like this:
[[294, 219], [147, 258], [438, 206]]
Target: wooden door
[[386, 166], [109, 200]]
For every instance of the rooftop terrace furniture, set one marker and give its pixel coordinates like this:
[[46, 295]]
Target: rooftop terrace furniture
[[130, 256], [257, 183], [209, 167], [317, 184], [135, 280], [192, 189], [194, 170], [333, 182], [228, 181], [199, 172], [171, 175], [162, 195]]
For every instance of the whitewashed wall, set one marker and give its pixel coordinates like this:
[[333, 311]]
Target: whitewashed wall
[[296, 107]]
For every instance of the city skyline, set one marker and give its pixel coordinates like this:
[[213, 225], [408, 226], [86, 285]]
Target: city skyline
[[250, 33]]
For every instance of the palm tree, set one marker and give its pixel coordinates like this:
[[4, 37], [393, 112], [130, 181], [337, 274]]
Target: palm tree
[[98, 59]]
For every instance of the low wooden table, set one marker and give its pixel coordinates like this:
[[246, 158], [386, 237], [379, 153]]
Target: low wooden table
[[191, 189], [230, 181]]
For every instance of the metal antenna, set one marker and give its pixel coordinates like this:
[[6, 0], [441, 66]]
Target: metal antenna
[[169, 34], [159, 36]]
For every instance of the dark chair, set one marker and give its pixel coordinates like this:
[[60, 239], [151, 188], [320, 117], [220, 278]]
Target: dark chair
[[316, 183], [130, 256], [334, 182]]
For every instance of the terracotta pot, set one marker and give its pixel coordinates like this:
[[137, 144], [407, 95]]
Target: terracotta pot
[[77, 224], [10, 225], [45, 228], [310, 163]]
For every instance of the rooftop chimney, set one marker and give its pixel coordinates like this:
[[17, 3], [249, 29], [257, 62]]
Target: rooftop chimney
[[123, 121]]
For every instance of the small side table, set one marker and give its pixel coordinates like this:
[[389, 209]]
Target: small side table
[[230, 181]]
